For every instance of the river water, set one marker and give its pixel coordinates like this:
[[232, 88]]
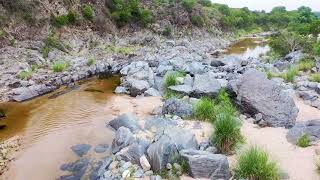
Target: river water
[[52, 123]]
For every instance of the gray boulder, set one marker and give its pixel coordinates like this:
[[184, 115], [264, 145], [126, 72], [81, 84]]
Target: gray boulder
[[159, 123], [177, 107], [26, 93], [206, 85], [137, 87], [132, 153], [256, 94], [127, 120], [166, 148], [194, 68], [152, 92], [311, 128], [123, 138], [203, 164], [121, 90], [182, 89], [81, 149]]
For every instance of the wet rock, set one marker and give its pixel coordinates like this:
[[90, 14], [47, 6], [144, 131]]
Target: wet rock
[[101, 148], [311, 128], [123, 138], [127, 120], [152, 92], [26, 93], [202, 164], [77, 168], [81, 149], [177, 107], [137, 87], [121, 90], [205, 85], [256, 94], [165, 149]]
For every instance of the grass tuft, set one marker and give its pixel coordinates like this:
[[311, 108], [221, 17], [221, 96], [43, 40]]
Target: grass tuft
[[303, 141], [306, 64], [25, 75], [315, 77], [91, 61], [255, 164], [170, 94], [60, 66], [205, 109], [87, 11], [170, 78]]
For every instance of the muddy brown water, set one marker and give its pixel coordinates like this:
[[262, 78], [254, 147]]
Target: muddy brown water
[[52, 123], [248, 47]]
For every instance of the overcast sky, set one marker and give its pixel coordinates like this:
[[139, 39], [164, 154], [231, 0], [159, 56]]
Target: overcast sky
[[269, 4]]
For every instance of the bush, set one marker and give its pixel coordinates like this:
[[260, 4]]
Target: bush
[[197, 21], [286, 42], [167, 31], [146, 17], [170, 78], [226, 136], [315, 77], [303, 141], [290, 74], [87, 11], [60, 21], [60, 66], [72, 17], [205, 109], [189, 4], [225, 104], [50, 43], [206, 3], [25, 75], [306, 64], [91, 61], [317, 49], [255, 164]]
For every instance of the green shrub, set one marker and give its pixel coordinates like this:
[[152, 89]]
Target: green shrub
[[290, 74], [72, 17], [303, 141], [60, 21], [226, 136], [317, 49], [170, 78], [25, 75], [167, 31], [91, 61], [2, 34], [87, 11], [255, 164], [270, 74], [315, 77], [206, 3], [170, 94], [205, 109], [146, 17], [225, 104], [60, 66], [189, 4], [306, 64], [197, 21], [50, 43]]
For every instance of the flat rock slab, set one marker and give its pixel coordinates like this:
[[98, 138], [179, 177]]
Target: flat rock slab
[[81, 149], [310, 128], [101, 148]]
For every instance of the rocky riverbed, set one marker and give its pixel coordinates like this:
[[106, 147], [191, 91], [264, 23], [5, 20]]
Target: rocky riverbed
[[167, 140]]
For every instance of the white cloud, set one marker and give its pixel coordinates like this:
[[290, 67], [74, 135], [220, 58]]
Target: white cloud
[[269, 4]]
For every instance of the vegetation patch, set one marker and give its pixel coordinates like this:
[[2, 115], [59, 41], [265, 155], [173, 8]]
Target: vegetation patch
[[170, 78], [50, 43], [60, 66], [197, 21], [87, 11], [303, 141], [25, 75], [306, 64], [64, 20], [255, 164], [205, 109], [171, 94], [315, 77], [121, 50], [189, 4], [91, 61], [288, 75]]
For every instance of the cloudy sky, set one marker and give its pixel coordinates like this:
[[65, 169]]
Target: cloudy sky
[[269, 4]]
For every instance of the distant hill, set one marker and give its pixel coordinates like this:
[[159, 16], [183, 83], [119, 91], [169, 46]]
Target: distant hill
[[317, 13]]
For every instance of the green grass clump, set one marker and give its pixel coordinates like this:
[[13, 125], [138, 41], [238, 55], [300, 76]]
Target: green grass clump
[[167, 31], [170, 78], [306, 64], [315, 77], [189, 4], [226, 136], [317, 49], [170, 94], [290, 74], [205, 109], [91, 61], [197, 21], [52, 42], [270, 74], [25, 75], [303, 141], [60, 66], [120, 50], [255, 164], [87, 11], [64, 20]]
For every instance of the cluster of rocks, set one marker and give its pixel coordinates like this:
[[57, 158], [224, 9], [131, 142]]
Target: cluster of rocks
[[6, 148], [160, 147]]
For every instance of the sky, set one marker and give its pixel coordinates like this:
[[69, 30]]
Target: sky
[[267, 5]]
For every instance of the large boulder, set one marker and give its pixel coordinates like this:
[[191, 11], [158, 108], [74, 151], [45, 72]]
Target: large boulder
[[159, 123], [139, 70], [203, 164], [182, 89], [177, 107], [127, 120], [195, 68], [167, 146], [136, 87], [123, 138], [310, 128], [256, 94], [206, 85]]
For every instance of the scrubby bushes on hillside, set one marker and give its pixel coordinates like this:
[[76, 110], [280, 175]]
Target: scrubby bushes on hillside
[[189, 4], [87, 11], [255, 164]]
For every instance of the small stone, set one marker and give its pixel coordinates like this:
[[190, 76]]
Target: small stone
[[145, 163], [113, 165], [169, 166], [258, 117], [148, 173], [126, 174]]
